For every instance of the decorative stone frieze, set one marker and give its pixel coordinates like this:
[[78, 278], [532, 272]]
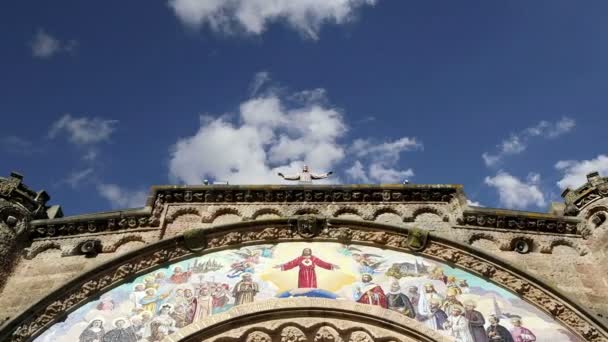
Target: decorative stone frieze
[[519, 221]]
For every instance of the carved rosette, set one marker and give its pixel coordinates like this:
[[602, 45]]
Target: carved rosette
[[138, 263]]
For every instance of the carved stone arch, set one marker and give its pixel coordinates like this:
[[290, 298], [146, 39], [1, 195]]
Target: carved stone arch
[[597, 216], [33, 251], [384, 210], [548, 247], [428, 210], [347, 210], [220, 212], [502, 245], [181, 211], [307, 320], [124, 240], [90, 285], [594, 210], [266, 211]]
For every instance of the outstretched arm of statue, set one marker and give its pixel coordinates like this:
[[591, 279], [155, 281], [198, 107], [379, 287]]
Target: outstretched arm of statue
[[289, 177], [321, 175]]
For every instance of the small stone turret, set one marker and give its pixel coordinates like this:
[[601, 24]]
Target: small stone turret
[[18, 206], [577, 200]]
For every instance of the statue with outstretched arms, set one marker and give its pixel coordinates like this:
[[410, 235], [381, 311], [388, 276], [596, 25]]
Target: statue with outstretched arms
[[305, 176]]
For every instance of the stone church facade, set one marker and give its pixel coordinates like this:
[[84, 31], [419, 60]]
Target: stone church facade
[[229, 263]]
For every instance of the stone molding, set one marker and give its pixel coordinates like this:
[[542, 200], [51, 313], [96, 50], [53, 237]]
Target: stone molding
[[56, 306], [150, 215], [303, 313], [514, 221]]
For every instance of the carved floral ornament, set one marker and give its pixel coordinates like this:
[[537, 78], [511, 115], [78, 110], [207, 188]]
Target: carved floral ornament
[[65, 300]]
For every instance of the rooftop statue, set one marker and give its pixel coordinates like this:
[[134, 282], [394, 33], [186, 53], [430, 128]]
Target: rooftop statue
[[306, 177]]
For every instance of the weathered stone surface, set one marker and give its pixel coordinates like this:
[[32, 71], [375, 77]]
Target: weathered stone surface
[[565, 252]]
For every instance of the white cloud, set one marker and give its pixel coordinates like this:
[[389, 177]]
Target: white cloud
[[259, 80], [357, 172], [382, 158], [268, 137], [75, 178], [17, 145], [83, 130], [383, 174], [575, 171], [120, 198], [474, 203], [253, 16], [515, 193], [517, 143], [279, 133], [45, 46]]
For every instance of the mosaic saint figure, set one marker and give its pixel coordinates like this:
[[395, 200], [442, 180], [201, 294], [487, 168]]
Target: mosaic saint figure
[[150, 283], [497, 332], [179, 276], [426, 312], [307, 277], [245, 290], [191, 305], [452, 284], [520, 333], [305, 176], [151, 300], [450, 300], [464, 286], [220, 296], [137, 294], [163, 324], [204, 305], [457, 325], [180, 316], [121, 333], [414, 296], [399, 302], [476, 321], [434, 318], [94, 331], [368, 292]]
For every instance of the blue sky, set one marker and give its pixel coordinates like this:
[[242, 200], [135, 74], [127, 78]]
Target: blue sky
[[101, 101]]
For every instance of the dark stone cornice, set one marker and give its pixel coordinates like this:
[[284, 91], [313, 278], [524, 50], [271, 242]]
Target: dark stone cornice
[[149, 216], [515, 221]]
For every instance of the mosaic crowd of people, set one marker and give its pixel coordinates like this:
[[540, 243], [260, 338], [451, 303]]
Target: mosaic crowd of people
[[162, 305], [443, 312]]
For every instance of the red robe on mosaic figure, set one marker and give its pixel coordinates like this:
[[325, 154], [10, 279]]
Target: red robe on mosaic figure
[[370, 293], [307, 277]]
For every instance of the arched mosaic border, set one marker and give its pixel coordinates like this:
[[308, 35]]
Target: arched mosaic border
[[90, 285]]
